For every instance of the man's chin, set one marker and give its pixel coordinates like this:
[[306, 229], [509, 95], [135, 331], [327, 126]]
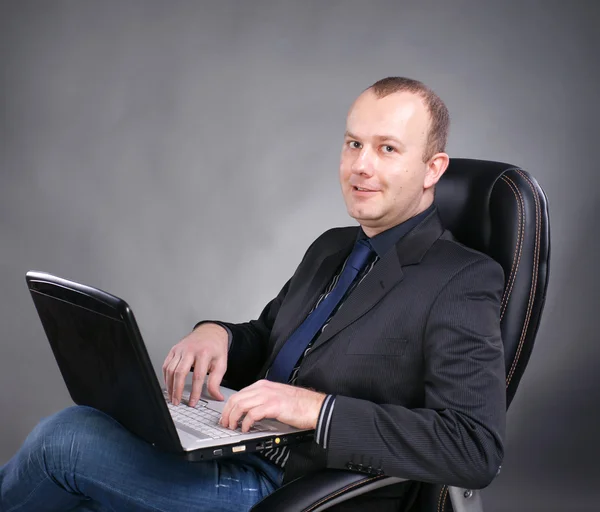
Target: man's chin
[[364, 218]]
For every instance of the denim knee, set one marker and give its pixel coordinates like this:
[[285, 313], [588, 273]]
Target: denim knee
[[72, 418], [68, 428]]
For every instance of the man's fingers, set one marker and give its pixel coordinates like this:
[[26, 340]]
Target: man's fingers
[[170, 372], [200, 369], [214, 379], [179, 375], [166, 365], [232, 414], [233, 402], [254, 415], [201, 347]]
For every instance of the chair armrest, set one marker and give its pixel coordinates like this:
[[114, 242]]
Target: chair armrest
[[465, 500], [321, 490]]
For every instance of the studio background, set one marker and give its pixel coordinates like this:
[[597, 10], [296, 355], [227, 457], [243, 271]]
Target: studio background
[[183, 155]]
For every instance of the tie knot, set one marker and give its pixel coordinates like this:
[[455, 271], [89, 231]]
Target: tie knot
[[360, 254]]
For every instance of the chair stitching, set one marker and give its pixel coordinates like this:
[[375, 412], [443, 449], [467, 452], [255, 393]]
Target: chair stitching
[[439, 507], [518, 239], [533, 277], [518, 248], [341, 491], [445, 491], [521, 340]]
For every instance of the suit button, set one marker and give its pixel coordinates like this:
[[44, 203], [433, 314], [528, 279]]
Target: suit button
[[359, 467], [350, 466]]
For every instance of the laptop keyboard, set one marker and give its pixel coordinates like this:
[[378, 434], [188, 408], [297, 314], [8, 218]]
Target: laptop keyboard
[[206, 421]]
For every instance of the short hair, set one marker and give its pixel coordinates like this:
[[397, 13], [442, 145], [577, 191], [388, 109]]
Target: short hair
[[439, 116]]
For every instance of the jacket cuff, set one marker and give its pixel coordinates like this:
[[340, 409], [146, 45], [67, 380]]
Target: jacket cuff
[[324, 421], [229, 333]]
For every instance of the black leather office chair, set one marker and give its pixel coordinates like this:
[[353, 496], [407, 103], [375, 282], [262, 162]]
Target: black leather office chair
[[500, 210]]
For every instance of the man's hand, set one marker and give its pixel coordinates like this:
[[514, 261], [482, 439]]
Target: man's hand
[[205, 348], [292, 405]]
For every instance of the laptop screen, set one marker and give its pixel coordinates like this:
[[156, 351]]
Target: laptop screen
[[102, 359]]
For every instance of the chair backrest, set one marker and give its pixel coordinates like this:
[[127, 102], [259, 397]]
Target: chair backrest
[[500, 210]]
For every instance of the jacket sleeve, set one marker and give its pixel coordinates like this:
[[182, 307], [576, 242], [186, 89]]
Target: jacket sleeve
[[457, 437]]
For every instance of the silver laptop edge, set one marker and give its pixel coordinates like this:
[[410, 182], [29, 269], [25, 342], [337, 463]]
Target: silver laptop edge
[[193, 440]]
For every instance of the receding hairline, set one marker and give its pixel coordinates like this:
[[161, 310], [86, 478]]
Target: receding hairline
[[422, 99], [422, 102], [438, 117]]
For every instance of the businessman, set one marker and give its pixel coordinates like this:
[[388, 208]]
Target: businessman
[[386, 341]]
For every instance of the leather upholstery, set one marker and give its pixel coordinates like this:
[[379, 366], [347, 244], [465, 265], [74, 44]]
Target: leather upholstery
[[500, 210], [335, 484]]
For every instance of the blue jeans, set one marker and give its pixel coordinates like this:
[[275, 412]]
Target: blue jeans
[[81, 459]]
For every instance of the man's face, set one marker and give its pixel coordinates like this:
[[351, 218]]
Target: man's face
[[382, 173]]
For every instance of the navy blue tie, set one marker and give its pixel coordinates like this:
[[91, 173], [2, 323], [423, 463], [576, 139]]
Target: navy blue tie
[[296, 344]]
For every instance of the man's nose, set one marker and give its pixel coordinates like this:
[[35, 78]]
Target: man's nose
[[364, 162]]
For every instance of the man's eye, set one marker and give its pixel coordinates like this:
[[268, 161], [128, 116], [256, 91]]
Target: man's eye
[[353, 144], [388, 149]]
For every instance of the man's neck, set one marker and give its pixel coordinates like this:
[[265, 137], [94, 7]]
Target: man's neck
[[372, 231], [385, 240]]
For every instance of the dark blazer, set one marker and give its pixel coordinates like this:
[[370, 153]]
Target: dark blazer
[[414, 357]]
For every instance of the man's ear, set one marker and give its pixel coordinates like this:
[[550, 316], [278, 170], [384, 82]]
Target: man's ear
[[436, 167]]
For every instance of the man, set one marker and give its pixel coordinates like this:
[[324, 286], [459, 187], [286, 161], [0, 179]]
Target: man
[[386, 341]]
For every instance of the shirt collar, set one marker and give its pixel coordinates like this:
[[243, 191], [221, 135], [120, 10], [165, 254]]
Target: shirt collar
[[385, 240]]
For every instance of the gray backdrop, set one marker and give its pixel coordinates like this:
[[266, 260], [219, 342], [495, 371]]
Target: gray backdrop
[[184, 154]]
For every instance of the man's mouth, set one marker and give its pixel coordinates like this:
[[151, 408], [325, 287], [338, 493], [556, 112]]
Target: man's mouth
[[362, 189]]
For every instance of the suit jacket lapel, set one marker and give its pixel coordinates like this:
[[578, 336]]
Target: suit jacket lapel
[[384, 276]]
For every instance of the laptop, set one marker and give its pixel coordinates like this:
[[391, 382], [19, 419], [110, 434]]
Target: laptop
[[105, 365]]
